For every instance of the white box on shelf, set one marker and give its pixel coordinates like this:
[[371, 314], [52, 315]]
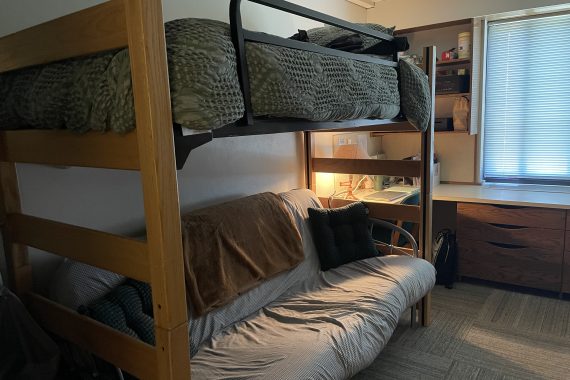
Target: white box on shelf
[[436, 173]]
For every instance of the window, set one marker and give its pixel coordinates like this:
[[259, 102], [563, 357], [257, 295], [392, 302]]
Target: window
[[527, 101]]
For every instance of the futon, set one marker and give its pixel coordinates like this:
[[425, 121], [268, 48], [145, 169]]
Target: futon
[[303, 323]]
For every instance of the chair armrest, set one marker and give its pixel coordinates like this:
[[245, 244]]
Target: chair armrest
[[408, 236]]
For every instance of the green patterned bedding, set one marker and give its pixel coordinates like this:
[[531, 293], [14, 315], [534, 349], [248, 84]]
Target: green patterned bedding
[[95, 93]]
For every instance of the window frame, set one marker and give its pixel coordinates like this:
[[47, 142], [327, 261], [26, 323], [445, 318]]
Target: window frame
[[482, 23]]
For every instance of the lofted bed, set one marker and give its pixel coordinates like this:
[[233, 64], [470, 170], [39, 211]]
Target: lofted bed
[[157, 151]]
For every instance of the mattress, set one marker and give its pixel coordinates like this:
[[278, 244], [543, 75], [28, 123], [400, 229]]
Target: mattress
[[95, 93], [330, 331]]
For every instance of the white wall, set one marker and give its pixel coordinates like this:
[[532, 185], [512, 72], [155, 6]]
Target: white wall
[[221, 170], [412, 13]]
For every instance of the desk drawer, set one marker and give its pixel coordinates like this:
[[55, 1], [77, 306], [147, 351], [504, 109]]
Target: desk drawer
[[517, 265], [514, 215], [543, 238]]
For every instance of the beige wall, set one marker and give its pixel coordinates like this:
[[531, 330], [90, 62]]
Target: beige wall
[[221, 170], [411, 13]]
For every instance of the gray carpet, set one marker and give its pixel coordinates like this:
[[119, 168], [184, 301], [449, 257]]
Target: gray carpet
[[480, 333]]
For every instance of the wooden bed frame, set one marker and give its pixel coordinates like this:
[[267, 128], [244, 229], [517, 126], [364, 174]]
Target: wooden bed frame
[[150, 149]]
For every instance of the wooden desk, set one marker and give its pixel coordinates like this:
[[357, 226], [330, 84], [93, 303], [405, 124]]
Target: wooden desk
[[362, 194], [512, 235], [502, 196]]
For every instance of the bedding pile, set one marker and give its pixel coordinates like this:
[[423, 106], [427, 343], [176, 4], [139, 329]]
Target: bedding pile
[[95, 93], [327, 35], [232, 247]]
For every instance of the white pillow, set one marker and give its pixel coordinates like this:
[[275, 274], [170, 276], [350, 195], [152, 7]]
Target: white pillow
[[75, 284]]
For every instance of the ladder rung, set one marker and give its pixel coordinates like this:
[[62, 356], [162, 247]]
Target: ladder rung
[[130, 354], [116, 253], [66, 148], [95, 29]]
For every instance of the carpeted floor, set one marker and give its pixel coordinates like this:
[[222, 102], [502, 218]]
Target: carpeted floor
[[480, 333]]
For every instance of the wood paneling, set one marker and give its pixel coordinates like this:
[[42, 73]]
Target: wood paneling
[[130, 354], [119, 254], [567, 220], [67, 148], [382, 210], [473, 229], [405, 168], [531, 267], [89, 31], [514, 215]]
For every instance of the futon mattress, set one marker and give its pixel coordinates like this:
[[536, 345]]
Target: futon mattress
[[95, 93], [330, 330]]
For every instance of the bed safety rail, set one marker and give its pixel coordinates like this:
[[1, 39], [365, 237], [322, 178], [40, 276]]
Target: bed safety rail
[[240, 36], [248, 125]]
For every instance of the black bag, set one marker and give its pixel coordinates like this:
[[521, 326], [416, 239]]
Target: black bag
[[26, 352], [445, 258]]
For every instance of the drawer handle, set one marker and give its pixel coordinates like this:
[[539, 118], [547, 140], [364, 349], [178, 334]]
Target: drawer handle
[[507, 226], [509, 207], [507, 246]]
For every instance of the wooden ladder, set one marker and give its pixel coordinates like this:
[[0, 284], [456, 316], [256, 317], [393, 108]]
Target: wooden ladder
[[138, 25]]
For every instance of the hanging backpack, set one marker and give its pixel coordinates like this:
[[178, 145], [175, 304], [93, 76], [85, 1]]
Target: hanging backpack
[[461, 111], [445, 258]]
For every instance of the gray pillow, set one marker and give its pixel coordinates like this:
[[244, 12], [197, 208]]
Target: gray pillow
[[415, 95], [325, 35], [75, 284]]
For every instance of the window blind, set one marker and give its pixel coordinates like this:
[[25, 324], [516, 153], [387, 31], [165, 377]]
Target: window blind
[[527, 101]]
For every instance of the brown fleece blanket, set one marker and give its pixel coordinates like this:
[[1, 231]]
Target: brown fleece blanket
[[232, 247]]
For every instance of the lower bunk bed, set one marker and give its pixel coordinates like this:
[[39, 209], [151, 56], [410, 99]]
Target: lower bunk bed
[[301, 323], [83, 102]]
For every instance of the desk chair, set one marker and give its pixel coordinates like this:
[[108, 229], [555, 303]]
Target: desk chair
[[394, 237]]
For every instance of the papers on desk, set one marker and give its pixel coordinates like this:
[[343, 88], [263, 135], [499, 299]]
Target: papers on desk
[[386, 195]]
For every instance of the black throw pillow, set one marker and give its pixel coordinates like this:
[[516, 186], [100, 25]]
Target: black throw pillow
[[341, 235]]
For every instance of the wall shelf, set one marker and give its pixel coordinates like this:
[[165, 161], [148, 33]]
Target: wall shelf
[[379, 134], [454, 95], [462, 61]]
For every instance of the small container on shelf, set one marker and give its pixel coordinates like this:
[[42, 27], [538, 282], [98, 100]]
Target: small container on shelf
[[451, 84], [443, 124], [464, 45]]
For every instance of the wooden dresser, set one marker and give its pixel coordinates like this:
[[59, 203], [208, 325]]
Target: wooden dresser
[[516, 245]]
